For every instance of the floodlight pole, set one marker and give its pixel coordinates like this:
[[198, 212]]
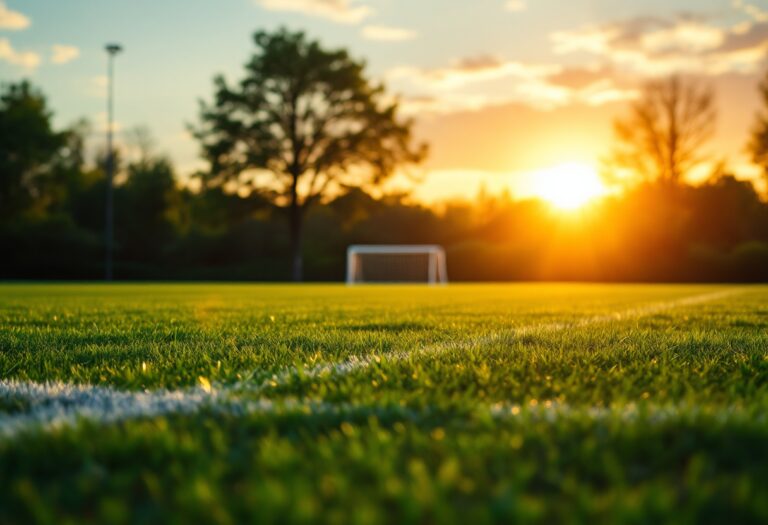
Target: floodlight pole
[[112, 50]]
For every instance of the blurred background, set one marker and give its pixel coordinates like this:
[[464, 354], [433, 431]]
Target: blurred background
[[257, 139]]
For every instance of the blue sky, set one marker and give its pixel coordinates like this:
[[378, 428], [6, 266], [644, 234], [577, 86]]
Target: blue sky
[[501, 88]]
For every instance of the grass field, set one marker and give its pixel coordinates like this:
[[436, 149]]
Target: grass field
[[460, 404]]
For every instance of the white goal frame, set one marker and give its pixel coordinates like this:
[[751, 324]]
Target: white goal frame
[[437, 272]]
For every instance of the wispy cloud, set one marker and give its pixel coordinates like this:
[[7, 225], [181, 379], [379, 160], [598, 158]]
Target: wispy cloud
[[341, 11], [590, 85], [61, 54], [25, 59], [755, 12], [469, 70], [12, 19], [388, 34], [515, 5], [481, 81], [653, 46], [446, 103], [685, 36]]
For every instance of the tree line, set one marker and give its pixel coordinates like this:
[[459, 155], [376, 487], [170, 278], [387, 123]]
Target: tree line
[[293, 151]]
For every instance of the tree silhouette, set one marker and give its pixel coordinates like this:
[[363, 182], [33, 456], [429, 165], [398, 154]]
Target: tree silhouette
[[758, 142], [662, 137], [28, 146], [303, 121]]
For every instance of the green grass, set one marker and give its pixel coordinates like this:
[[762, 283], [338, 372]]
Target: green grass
[[491, 403]]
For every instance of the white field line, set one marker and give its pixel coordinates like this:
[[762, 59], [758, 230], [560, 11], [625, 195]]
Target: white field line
[[356, 363], [55, 404], [52, 405]]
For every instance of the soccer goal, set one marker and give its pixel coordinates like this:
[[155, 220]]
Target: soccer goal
[[395, 263]]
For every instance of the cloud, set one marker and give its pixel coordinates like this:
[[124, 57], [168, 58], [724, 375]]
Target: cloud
[[515, 5], [341, 11], [447, 103], [25, 59], [481, 81], [604, 92], [548, 94], [389, 34], [469, 70], [685, 36], [12, 19], [653, 46], [61, 54], [641, 33], [756, 13], [580, 77]]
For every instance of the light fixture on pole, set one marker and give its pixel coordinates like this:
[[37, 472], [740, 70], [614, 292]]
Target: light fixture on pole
[[112, 50]]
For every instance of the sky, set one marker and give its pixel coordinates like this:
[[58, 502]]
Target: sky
[[507, 92]]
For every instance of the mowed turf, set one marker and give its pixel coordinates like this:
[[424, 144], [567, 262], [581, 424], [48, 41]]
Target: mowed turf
[[551, 403]]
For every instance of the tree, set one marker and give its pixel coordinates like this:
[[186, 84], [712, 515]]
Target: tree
[[662, 137], [149, 204], [758, 143], [28, 146], [303, 121]]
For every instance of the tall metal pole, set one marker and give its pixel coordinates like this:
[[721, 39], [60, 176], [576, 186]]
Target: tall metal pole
[[112, 50]]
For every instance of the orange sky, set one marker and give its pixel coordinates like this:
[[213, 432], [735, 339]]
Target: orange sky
[[503, 90], [504, 147]]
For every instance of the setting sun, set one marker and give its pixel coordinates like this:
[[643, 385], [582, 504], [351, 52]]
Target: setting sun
[[568, 186]]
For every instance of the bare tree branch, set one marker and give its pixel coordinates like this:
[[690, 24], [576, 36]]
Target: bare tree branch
[[662, 136]]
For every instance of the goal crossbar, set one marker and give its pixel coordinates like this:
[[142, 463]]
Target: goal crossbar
[[436, 264]]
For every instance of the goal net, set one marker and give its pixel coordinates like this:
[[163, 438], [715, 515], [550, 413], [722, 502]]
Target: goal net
[[396, 264]]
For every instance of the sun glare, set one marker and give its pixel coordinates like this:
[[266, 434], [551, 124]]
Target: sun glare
[[568, 186]]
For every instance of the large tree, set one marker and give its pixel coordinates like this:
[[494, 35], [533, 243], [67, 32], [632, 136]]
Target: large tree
[[663, 135], [28, 147], [303, 121]]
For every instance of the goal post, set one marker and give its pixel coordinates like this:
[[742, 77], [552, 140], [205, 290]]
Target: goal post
[[396, 263]]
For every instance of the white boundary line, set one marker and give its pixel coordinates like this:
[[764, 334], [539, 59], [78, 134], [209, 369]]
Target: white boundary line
[[63, 406], [53, 405], [355, 363]]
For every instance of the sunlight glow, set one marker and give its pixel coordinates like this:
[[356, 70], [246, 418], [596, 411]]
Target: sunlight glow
[[568, 186]]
